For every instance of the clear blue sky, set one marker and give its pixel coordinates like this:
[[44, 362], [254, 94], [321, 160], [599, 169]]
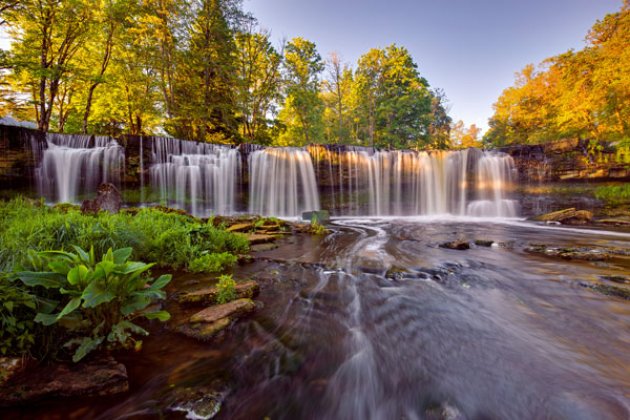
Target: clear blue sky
[[470, 48]]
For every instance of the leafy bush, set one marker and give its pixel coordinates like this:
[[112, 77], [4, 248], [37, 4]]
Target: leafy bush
[[226, 289], [17, 311], [94, 301], [212, 263], [614, 194]]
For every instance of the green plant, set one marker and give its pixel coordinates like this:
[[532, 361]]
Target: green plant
[[95, 302], [226, 289], [614, 194], [212, 263], [17, 310]]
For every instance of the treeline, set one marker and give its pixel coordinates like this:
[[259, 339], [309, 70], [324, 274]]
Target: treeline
[[204, 70], [583, 94]]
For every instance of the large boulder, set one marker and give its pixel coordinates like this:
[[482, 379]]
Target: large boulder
[[108, 198], [101, 376], [567, 217]]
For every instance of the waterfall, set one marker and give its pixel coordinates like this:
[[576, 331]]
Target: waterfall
[[282, 182], [74, 165], [403, 182], [198, 177], [493, 178]]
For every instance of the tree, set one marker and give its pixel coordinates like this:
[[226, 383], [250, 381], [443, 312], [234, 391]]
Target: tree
[[303, 107], [336, 94], [394, 101], [57, 29], [440, 125], [258, 82]]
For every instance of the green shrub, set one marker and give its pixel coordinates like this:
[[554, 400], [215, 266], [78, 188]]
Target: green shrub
[[614, 194], [17, 311], [95, 301], [212, 263], [226, 289]]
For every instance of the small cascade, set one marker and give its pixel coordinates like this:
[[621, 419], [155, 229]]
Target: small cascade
[[282, 182], [74, 165], [493, 178], [364, 181], [201, 178]]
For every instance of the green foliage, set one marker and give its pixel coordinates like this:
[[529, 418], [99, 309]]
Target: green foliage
[[226, 287], [17, 311], [614, 194], [212, 263], [95, 301], [168, 238]]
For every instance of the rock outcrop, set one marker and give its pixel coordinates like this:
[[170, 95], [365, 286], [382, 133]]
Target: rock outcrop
[[567, 217], [108, 198]]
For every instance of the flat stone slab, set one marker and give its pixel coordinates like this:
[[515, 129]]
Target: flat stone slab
[[208, 295], [204, 331], [241, 227], [103, 376], [258, 238], [231, 309], [567, 216]]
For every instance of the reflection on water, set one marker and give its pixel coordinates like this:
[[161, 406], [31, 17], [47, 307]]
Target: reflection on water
[[377, 321]]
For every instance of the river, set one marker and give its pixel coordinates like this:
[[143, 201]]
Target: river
[[377, 321]]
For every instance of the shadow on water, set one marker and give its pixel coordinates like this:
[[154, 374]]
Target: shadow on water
[[378, 321]]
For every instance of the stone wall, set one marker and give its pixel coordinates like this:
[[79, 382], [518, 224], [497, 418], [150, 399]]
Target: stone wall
[[569, 161]]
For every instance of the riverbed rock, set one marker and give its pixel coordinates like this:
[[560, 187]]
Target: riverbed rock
[[484, 242], [458, 245], [258, 238], [97, 377], [582, 253], [232, 309], [197, 403], [211, 321], [208, 295], [567, 217], [10, 367], [241, 227], [108, 198]]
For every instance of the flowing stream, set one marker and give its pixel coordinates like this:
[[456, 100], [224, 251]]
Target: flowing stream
[[377, 321]]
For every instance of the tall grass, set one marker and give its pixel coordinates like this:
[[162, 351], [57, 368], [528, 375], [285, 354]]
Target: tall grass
[[168, 238]]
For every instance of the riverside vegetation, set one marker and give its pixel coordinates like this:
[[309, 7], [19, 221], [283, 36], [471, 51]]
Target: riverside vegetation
[[72, 283]]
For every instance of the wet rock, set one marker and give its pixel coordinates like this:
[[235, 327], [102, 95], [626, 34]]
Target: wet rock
[[241, 227], [567, 217], [97, 377], [203, 331], [458, 245], [484, 242], [108, 198], [208, 295], [197, 403], [607, 290], [585, 254], [9, 367], [257, 238], [232, 309], [616, 279], [396, 273], [263, 247]]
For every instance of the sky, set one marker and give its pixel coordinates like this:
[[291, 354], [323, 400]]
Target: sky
[[469, 48]]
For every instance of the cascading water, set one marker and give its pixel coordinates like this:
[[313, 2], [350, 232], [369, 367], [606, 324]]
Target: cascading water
[[74, 165], [282, 182], [493, 177], [199, 177], [363, 181]]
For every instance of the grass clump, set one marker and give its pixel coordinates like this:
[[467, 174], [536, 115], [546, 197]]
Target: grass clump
[[212, 263], [226, 287], [614, 194], [170, 239]]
